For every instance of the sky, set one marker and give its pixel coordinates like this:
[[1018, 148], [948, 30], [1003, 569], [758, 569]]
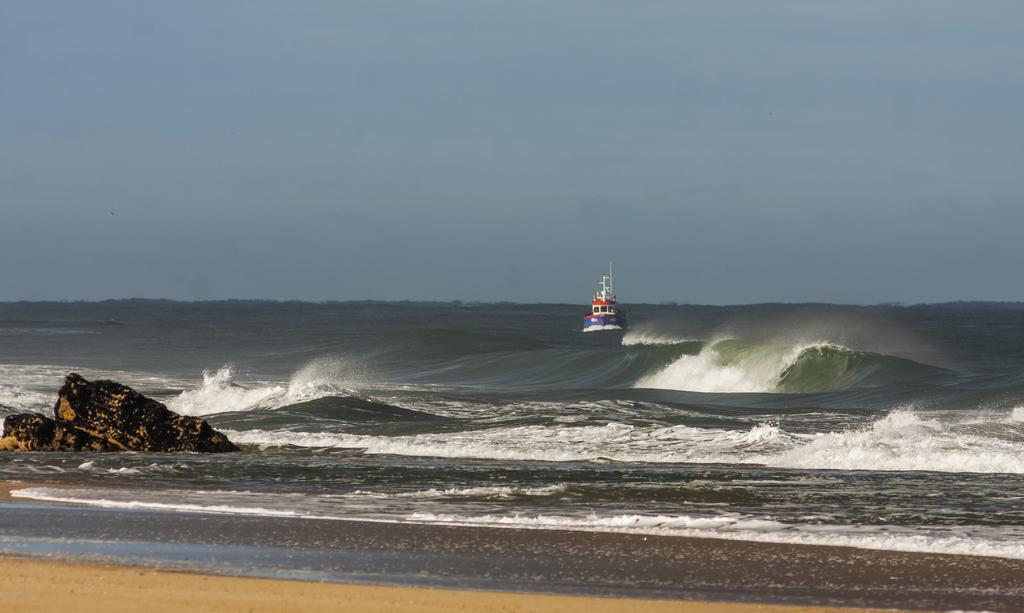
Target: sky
[[718, 152]]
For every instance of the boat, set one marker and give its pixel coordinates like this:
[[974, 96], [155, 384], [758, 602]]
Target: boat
[[603, 313]]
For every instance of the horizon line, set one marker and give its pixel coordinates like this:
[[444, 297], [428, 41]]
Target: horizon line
[[661, 303]]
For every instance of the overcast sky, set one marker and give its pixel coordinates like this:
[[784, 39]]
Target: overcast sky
[[719, 152]]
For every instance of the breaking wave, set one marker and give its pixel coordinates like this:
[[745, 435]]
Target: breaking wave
[[220, 393], [904, 440], [613, 441], [733, 366], [14, 398]]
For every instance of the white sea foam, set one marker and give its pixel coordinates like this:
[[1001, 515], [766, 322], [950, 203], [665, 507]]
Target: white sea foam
[[900, 441], [149, 469], [220, 393], [904, 440], [464, 492], [611, 441], [47, 495], [615, 441], [17, 398], [755, 370], [29, 387], [647, 337], [602, 328]]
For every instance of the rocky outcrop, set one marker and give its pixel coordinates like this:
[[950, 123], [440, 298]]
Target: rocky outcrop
[[108, 416], [37, 432]]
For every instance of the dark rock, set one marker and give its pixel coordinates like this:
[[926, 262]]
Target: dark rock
[[107, 416], [127, 419], [27, 432], [36, 432]]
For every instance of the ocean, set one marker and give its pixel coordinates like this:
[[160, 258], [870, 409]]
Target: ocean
[[883, 427]]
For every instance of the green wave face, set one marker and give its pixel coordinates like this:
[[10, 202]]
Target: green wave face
[[737, 365], [732, 351], [826, 367]]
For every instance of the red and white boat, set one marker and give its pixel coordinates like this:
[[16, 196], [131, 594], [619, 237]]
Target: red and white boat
[[604, 315]]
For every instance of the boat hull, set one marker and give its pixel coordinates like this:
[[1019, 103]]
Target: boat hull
[[597, 323]]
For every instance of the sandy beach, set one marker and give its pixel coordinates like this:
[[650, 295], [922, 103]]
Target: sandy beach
[[108, 587], [51, 584], [61, 586], [230, 562]]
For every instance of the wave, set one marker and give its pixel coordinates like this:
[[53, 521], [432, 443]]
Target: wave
[[904, 440], [900, 441], [219, 393], [29, 387], [14, 399], [611, 442], [830, 367], [733, 366], [720, 368]]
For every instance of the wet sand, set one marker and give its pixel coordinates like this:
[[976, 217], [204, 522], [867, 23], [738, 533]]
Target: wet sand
[[584, 564], [61, 586]]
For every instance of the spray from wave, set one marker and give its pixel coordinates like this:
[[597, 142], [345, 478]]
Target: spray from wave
[[734, 366], [725, 366], [220, 393], [634, 337]]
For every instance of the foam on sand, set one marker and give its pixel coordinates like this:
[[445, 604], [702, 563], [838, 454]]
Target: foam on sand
[[962, 540]]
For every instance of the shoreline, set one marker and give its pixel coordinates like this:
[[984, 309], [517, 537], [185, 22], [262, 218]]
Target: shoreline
[[565, 564]]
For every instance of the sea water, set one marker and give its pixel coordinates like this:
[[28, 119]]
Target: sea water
[[885, 427]]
